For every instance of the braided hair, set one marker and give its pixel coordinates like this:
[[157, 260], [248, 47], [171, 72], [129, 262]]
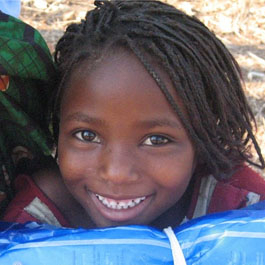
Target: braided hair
[[204, 74]]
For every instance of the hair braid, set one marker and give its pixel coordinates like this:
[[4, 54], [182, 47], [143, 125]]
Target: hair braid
[[206, 77], [199, 141], [198, 113]]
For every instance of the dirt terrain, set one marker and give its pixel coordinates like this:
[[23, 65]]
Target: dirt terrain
[[239, 24]]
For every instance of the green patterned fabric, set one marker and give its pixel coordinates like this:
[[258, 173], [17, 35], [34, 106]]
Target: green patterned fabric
[[26, 74]]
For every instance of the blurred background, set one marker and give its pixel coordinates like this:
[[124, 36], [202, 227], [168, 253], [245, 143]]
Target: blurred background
[[240, 24]]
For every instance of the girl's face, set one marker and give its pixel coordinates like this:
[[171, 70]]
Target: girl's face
[[123, 153]]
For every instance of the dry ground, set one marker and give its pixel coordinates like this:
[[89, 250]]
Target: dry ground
[[240, 24]]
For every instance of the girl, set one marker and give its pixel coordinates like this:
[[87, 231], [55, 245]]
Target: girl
[[152, 123]]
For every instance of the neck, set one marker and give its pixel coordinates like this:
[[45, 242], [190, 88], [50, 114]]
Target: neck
[[175, 215]]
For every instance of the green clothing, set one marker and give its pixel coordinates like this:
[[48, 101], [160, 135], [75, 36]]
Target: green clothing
[[26, 74]]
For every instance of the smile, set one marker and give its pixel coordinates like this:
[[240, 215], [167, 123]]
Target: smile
[[120, 204]]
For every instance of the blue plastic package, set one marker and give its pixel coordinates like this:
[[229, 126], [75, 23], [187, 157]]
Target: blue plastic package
[[234, 237]]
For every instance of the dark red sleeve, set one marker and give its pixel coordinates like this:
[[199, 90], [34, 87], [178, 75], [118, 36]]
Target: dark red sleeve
[[233, 194], [248, 179], [26, 192]]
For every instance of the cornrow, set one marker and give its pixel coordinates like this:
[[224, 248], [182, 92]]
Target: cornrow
[[204, 74]]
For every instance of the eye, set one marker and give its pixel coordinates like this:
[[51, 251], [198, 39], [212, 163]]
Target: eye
[[155, 140], [87, 136]]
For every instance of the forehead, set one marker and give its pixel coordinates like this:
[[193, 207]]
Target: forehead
[[120, 61], [119, 80]]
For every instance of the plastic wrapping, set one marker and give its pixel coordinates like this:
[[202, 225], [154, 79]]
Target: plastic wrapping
[[234, 237]]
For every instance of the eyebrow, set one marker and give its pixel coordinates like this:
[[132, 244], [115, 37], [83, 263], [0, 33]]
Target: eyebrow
[[160, 123], [81, 117]]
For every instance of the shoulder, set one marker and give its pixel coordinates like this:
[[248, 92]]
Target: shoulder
[[43, 197], [243, 188], [26, 191], [49, 180], [247, 178], [51, 184], [31, 203]]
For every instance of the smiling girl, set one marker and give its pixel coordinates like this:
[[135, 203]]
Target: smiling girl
[[152, 123]]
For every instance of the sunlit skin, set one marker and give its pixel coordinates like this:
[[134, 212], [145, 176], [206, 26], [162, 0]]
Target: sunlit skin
[[119, 138]]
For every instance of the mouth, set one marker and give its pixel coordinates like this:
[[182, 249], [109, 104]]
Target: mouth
[[121, 211], [120, 204]]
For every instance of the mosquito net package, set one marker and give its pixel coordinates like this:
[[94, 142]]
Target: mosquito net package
[[234, 237]]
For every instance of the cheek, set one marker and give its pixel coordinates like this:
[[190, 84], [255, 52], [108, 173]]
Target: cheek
[[73, 164], [174, 172], [76, 173]]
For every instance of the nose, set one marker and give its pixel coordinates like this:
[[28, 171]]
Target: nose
[[119, 166]]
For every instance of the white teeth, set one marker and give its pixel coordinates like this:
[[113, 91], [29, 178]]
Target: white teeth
[[137, 200], [100, 197], [131, 204], [105, 202], [123, 205], [110, 203]]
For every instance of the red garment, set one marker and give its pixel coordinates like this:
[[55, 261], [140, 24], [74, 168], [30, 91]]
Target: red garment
[[245, 187], [26, 192]]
